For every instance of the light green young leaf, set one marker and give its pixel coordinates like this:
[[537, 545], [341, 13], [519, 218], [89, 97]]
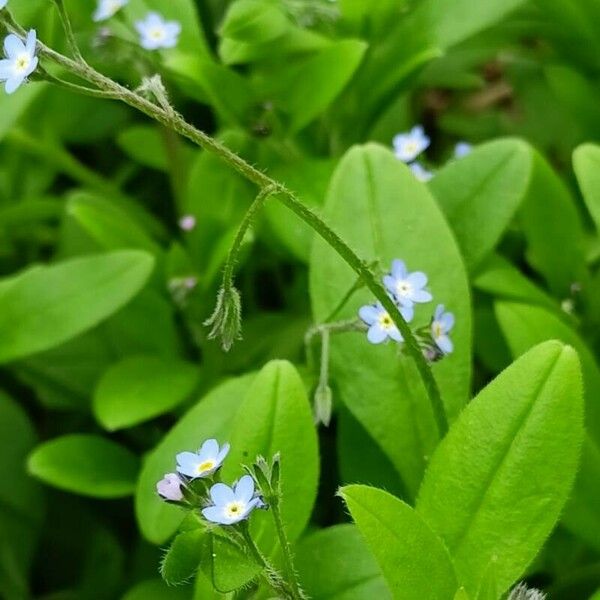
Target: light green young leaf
[[85, 464], [45, 306], [140, 388], [254, 21], [156, 589], [145, 145], [211, 417], [413, 559], [376, 204], [309, 85], [525, 326], [498, 482], [480, 194], [12, 107], [336, 563], [276, 416], [586, 161]]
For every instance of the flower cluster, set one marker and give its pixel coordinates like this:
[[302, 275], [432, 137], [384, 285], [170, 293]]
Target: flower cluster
[[194, 485], [409, 145], [20, 60], [408, 289]]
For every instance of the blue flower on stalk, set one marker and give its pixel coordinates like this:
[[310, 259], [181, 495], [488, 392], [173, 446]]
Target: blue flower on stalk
[[204, 462], [462, 149], [381, 325], [407, 146], [420, 172], [157, 33], [107, 9], [406, 288], [441, 325], [232, 504], [20, 61]]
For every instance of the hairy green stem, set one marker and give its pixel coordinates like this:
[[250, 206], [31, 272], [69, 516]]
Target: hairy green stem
[[286, 549], [251, 213], [170, 118], [64, 17], [271, 575]]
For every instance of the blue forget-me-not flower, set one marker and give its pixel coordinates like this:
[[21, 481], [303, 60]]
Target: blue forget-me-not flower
[[381, 325], [232, 504], [157, 33], [107, 8], [441, 325], [20, 61], [407, 146], [420, 172], [407, 288], [204, 462], [462, 149]]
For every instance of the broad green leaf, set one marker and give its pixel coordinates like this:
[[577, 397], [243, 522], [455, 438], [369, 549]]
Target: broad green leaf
[[211, 417], [184, 556], [525, 326], [553, 230], [500, 278], [140, 388], [480, 194], [336, 563], [378, 207], [309, 85], [45, 306], [452, 21], [254, 21], [413, 559], [21, 504], [586, 161], [369, 19], [155, 589], [231, 568], [498, 482], [107, 223], [276, 416], [85, 464]]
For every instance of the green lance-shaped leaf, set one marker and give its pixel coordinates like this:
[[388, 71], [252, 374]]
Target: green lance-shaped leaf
[[211, 417], [84, 464], [276, 416], [497, 483], [413, 559], [140, 388], [254, 21], [375, 203], [46, 306], [524, 326], [480, 194]]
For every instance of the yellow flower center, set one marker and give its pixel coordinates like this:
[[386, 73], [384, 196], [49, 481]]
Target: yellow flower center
[[234, 509], [157, 33], [404, 288], [205, 466], [411, 147], [437, 329], [385, 321], [22, 62]]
